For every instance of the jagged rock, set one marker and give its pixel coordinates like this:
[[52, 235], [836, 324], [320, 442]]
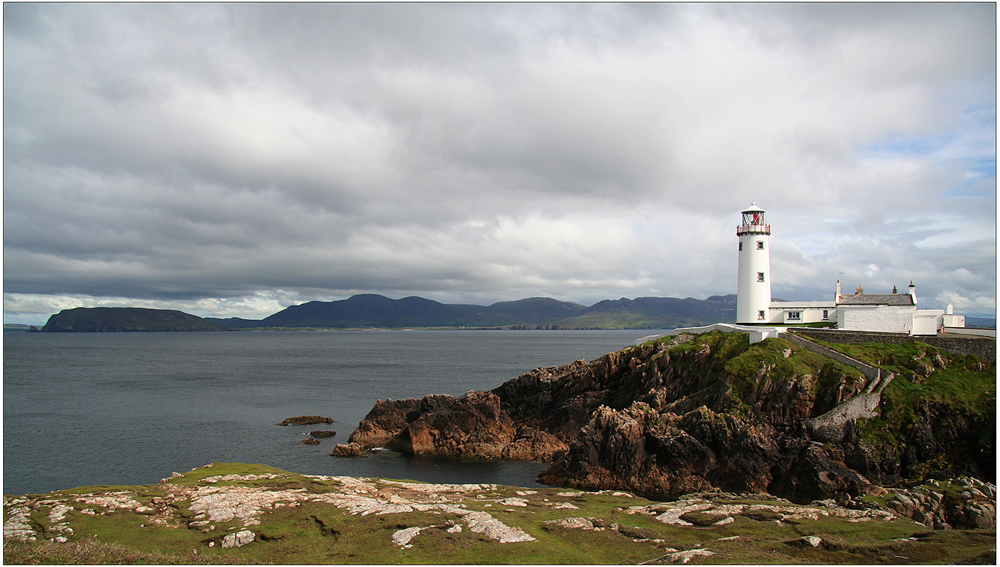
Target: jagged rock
[[973, 508], [383, 422], [310, 441], [664, 421], [322, 434], [472, 426], [348, 450], [306, 420]]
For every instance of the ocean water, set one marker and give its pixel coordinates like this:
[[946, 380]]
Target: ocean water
[[86, 409]]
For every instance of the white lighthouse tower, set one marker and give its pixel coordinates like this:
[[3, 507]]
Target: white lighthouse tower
[[753, 287]]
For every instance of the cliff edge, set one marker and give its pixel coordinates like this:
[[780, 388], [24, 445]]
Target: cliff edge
[[711, 412]]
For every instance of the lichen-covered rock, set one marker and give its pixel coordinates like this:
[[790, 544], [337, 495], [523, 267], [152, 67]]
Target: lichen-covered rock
[[961, 503], [238, 539]]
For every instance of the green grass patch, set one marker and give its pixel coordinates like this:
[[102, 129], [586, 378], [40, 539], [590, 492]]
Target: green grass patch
[[95, 552]]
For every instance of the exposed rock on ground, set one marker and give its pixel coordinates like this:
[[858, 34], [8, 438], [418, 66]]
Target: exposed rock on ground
[[697, 413], [272, 516]]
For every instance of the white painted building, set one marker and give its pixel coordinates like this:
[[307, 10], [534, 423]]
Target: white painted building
[[888, 312]]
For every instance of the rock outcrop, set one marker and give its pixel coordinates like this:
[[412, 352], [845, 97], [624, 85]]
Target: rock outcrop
[[471, 426], [306, 420], [693, 414]]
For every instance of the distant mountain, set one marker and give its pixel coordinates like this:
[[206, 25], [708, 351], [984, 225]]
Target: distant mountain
[[377, 311], [981, 322], [235, 322], [655, 313], [126, 319]]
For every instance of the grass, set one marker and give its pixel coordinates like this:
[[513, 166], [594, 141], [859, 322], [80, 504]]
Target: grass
[[320, 533], [91, 551], [738, 366], [965, 383]]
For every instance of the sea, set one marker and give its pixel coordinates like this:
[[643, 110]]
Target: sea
[[83, 409]]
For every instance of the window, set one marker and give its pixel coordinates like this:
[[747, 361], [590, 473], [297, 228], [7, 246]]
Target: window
[[760, 315], [760, 276], [741, 246], [760, 245], [826, 314], [794, 315]]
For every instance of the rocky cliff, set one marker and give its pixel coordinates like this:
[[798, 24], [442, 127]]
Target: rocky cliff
[[701, 413]]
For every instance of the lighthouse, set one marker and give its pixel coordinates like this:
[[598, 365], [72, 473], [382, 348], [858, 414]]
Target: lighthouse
[[753, 286]]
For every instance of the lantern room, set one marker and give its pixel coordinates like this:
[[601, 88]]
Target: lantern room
[[753, 222]]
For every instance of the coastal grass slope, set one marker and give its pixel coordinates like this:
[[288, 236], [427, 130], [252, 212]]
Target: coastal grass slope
[[232, 513]]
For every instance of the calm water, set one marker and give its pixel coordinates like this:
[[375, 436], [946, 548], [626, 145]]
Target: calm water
[[130, 408]]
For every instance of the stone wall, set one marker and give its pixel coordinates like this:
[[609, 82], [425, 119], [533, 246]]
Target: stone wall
[[982, 346], [829, 427], [873, 373]]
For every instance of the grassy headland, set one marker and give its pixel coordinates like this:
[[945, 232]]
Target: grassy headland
[[288, 518]]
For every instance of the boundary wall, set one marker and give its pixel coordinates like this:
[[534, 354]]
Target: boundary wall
[[874, 374], [757, 333], [965, 344], [829, 427]]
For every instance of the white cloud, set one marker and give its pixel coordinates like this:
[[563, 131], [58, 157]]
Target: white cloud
[[211, 156]]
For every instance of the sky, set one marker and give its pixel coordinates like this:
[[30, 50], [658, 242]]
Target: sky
[[230, 160]]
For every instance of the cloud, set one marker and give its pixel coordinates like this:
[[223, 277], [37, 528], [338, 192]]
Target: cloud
[[232, 158]]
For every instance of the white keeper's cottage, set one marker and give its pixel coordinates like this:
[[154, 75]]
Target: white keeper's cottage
[[889, 312]]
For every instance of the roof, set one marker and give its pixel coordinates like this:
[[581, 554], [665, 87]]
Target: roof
[[754, 209], [877, 299]]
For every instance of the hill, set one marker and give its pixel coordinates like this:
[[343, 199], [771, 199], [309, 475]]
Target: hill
[[126, 319], [377, 311]]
